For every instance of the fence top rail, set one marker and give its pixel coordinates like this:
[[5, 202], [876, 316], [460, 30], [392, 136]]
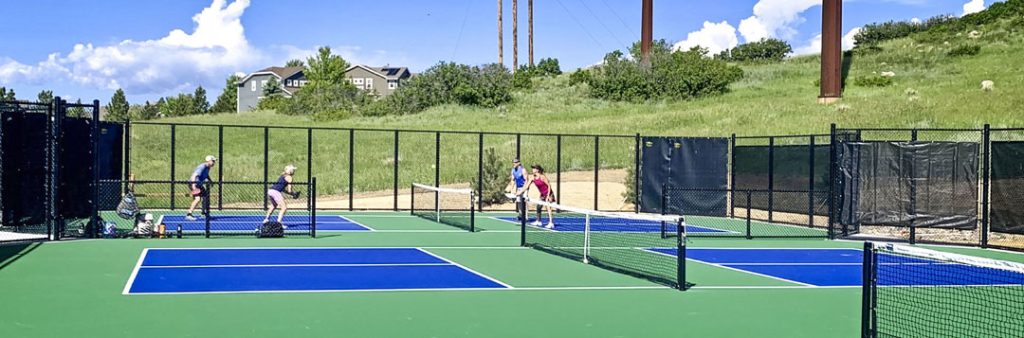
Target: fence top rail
[[838, 130], [668, 189], [379, 130], [1006, 129], [781, 136], [24, 103], [188, 182]]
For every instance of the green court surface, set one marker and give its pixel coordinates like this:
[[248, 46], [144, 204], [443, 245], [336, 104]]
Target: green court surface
[[75, 289]]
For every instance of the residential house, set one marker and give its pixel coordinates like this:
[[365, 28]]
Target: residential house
[[381, 80], [250, 88]]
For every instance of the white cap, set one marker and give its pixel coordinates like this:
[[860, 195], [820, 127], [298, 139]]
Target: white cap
[[210, 158], [148, 217]]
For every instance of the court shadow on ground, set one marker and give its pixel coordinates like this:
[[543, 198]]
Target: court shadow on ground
[[12, 252]]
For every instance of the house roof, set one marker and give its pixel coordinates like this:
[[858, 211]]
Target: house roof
[[280, 72], [390, 73]]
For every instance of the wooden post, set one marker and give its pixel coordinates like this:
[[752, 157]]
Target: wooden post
[[531, 31], [515, 35], [501, 40], [647, 32], [831, 51]]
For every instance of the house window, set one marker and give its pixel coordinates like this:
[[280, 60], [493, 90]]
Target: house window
[[253, 85], [369, 83], [263, 84], [288, 83], [302, 83], [392, 84], [357, 81]]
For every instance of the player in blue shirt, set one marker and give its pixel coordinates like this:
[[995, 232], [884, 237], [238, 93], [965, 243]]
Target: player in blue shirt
[[517, 180], [197, 184]]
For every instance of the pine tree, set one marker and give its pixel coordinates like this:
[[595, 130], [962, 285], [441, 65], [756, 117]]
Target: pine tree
[[227, 102], [76, 111], [45, 96], [117, 109], [199, 103]]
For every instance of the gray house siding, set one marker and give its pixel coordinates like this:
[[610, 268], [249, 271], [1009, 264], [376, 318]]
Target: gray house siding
[[359, 76], [250, 92]]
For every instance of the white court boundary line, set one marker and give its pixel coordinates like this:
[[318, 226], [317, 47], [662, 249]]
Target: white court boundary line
[[135, 272], [350, 247], [552, 288], [466, 268], [730, 268], [353, 222], [290, 265]]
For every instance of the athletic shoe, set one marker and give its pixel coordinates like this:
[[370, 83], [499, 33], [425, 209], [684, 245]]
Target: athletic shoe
[[190, 218], [550, 225], [536, 223], [265, 221], [284, 226]]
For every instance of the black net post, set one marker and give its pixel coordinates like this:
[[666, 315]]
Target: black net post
[[394, 168], [732, 176], [220, 168], [480, 169], [412, 199], [986, 138], [311, 203], [351, 167], [597, 170], [681, 254], [266, 162], [519, 145], [771, 178], [521, 209], [95, 186], [636, 173], [867, 291], [173, 161], [558, 168], [749, 235], [472, 212]]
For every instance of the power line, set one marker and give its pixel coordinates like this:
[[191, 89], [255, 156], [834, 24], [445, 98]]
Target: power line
[[585, 30], [461, 29], [610, 32], [623, 22]]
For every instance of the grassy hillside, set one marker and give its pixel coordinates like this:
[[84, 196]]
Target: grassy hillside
[[931, 90]]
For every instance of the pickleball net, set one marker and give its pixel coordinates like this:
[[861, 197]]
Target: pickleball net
[[914, 292], [454, 207], [628, 243]]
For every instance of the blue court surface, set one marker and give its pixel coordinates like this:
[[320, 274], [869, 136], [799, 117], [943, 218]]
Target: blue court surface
[[578, 224], [839, 267], [161, 271], [252, 222]]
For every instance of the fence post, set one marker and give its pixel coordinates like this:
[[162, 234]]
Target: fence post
[[480, 170], [220, 168], [771, 179], [95, 139], [173, 161], [519, 146], [832, 182], [732, 177], [558, 168], [636, 174], [351, 167], [986, 139], [395, 172], [309, 152], [437, 159], [205, 208], [913, 188], [810, 184], [127, 150], [266, 162], [597, 170]]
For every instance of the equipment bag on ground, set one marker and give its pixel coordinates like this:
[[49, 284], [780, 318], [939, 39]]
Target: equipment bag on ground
[[271, 230]]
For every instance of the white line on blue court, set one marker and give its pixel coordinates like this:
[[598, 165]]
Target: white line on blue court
[[287, 265], [135, 272], [552, 288], [466, 268], [357, 223]]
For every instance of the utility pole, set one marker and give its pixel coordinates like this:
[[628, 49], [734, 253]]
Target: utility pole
[[647, 32], [831, 51], [531, 32], [501, 40], [515, 35]]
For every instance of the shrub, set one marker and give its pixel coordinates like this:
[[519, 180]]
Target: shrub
[[964, 50], [549, 67], [447, 83], [873, 81], [495, 179], [579, 76], [274, 102], [324, 101], [677, 75], [766, 50]]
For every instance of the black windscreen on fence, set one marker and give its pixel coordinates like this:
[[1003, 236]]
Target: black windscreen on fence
[[920, 184], [1007, 206], [24, 168], [77, 168], [685, 163]]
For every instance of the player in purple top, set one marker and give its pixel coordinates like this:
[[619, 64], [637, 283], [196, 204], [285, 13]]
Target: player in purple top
[[283, 185]]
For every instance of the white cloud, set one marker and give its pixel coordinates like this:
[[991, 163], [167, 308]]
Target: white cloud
[[716, 37], [814, 45], [775, 19], [974, 6], [216, 47], [916, 20]]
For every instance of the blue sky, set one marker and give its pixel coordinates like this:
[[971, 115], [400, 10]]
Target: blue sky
[[162, 47]]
